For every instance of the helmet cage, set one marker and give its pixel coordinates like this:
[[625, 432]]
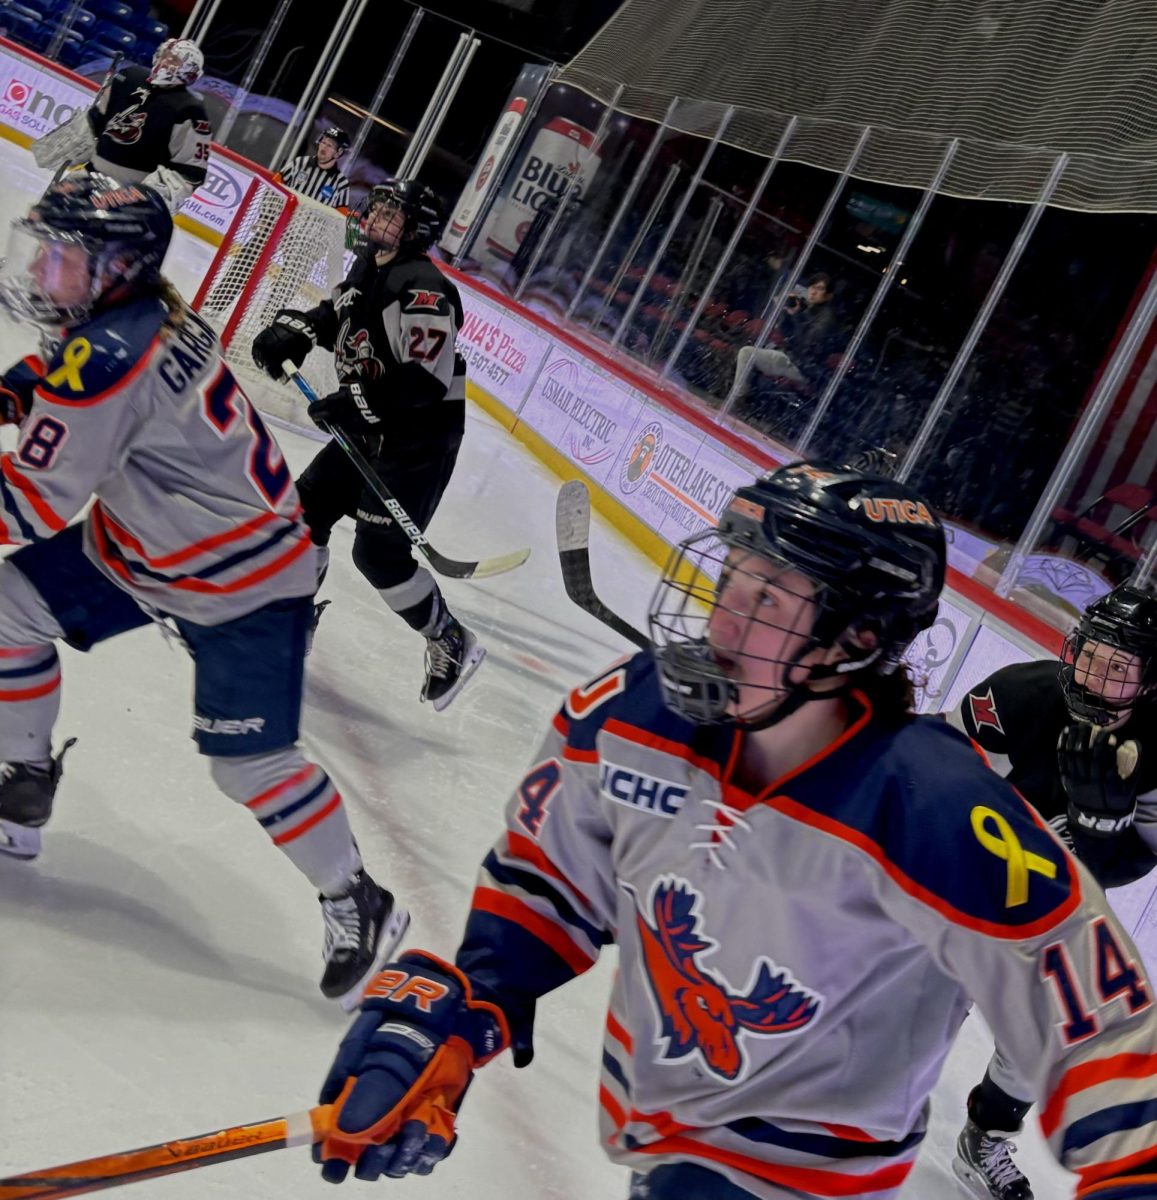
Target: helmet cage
[[697, 678], [1104, 624]]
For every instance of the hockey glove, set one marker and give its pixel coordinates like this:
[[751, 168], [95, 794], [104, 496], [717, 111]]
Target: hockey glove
[[402, 1069], [1100, 778], [346, 408], [16, 387], [290, 336]]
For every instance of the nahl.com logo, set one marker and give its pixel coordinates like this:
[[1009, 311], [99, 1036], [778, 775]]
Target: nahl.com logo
[[26, 106]]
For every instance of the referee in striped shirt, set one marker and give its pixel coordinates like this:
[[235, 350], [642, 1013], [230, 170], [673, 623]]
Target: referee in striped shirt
[[317, 175]]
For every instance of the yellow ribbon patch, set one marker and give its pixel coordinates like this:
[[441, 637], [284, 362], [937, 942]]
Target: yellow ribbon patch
[[1006, 845], [74, 356]]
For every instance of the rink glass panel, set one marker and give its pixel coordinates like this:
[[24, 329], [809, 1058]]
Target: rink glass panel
[[994, 427]]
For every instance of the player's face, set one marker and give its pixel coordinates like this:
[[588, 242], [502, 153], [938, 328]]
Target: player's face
[[760, 624], [385, 224], [61, 273], [327, 153], [1108, 672]]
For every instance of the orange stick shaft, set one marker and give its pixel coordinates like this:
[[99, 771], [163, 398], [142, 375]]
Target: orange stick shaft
[[168, 1158]]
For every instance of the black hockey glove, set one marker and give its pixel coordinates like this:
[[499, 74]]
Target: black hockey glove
[[402, 1069], [1100, 778], [347, 408], [291, 336], [16, 388]]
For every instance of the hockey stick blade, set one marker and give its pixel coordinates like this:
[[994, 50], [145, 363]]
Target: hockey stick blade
[[572, 521], [169, 1158], [452, 568]]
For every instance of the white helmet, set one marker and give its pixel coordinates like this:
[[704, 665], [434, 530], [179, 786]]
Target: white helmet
[[177, 62]]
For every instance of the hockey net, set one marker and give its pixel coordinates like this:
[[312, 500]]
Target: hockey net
[[283, 250]]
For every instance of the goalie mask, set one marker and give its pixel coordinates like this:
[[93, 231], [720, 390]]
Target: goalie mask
[[807, 558], [87, 242], [178, 62], [1109, 662]]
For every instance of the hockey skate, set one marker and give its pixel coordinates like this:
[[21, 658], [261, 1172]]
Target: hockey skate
[[983, 1163], [452, 656], [315, 620], [26, 795], [362, 926]]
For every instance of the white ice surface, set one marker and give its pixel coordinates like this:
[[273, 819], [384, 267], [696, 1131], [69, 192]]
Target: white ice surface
[[158, 964]]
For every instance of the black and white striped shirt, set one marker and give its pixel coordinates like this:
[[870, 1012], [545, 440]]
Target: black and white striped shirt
[[329, 186]]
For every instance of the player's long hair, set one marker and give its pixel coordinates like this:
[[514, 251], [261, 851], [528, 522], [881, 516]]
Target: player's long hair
[[893, 695], [174, 302]]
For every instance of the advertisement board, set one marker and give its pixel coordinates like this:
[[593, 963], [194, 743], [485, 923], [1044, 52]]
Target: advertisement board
[[36, 97], [503, 352]]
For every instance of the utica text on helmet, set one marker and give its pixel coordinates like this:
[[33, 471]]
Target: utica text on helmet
[[897, 511]]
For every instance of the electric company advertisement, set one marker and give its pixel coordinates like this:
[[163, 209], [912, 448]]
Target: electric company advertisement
[[37, 98]]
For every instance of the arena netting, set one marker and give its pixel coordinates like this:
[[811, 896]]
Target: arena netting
[[1016, 81]]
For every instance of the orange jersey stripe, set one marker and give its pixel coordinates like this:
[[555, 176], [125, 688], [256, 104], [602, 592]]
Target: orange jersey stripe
[[510, 908], [1089, 1074], [40, 506], [283, 786], [123, 537]]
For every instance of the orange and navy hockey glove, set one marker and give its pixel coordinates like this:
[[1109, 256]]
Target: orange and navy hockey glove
[[402, 1069]]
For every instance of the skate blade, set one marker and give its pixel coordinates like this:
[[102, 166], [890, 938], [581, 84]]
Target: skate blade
[[19, 841], [392, 933], [473, 661], [970, 1180]]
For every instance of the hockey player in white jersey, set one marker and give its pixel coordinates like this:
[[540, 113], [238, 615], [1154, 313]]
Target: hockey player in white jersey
[[196, 522], [808, 886]]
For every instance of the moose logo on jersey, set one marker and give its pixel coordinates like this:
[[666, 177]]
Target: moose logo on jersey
[[699, 1012]]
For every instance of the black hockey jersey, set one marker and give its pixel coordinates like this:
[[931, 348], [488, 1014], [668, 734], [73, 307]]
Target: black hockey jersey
[[1016, 716], [139, 128], [393, 328]]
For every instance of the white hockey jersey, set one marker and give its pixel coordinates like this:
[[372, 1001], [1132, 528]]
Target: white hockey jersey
[[795, 965], [196, 512]]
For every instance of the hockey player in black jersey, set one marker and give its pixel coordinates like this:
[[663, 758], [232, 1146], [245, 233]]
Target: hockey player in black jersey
[[1079, 742], [392, 324], [146, 126]]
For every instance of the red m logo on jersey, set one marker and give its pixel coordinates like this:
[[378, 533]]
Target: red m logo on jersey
[[984, 712], [429, 301]]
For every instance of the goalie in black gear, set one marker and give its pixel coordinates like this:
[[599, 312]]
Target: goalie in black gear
[[1079, 742], [145, 126], [392, 325]]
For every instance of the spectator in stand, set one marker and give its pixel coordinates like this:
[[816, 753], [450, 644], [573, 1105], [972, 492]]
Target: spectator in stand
[[809, 328]]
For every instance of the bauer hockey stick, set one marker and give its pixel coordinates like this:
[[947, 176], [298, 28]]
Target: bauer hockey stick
[[572, 522], [169, 1158], [450, 567]]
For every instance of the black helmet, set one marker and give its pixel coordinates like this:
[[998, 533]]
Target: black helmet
[[339, 137], [423, 210], [125, 229], [872, 549], [1126, 621]]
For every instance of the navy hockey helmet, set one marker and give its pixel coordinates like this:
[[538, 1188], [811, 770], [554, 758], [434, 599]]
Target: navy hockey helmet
[[1109, 662], [123, 229], [338, 136], [874, 557], [424, 213]]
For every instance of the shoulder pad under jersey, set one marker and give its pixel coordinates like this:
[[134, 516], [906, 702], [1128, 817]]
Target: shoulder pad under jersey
[[99, 357], [962, 840]]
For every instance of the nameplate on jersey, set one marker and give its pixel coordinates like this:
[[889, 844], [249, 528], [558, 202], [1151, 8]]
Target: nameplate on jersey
[[634, 789]]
